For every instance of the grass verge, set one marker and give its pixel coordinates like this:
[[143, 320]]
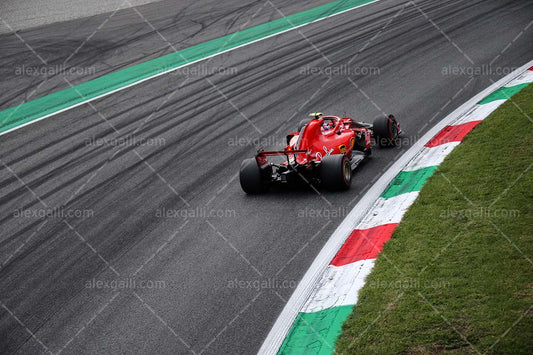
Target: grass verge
[[457, 275]]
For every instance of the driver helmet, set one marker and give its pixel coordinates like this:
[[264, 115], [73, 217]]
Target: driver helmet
[[328, 125]]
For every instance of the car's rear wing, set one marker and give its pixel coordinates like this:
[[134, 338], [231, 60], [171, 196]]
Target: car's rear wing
[[281, 152], [262, 155]]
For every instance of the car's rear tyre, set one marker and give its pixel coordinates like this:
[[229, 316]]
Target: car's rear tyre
[[386, 131], [336, 172], [251, 178]]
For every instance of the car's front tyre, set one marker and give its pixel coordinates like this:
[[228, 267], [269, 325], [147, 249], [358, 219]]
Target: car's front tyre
[[386, 131]]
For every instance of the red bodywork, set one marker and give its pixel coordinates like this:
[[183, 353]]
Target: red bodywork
[[322, 136], [325, 152]]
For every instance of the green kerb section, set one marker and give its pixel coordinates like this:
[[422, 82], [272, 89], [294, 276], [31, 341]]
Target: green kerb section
[[44, 106], [408, 181], [503, 93], [315, 333]]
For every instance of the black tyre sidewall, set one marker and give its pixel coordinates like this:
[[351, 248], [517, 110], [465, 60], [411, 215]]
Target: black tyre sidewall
[[383, 131], [251, 178], [332, 172]]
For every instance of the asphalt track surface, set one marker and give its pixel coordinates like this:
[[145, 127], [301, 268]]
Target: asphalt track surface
[[197, 128], [32, 13]]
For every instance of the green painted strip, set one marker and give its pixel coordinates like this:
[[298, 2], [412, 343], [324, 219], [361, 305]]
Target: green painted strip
[[315, 333], [503, 93], [61, 100], [408, 181]]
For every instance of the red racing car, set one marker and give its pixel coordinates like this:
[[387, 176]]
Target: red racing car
[[324, 151]]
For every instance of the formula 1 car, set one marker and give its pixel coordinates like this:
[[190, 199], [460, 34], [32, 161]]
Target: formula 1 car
[[323, 151]]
